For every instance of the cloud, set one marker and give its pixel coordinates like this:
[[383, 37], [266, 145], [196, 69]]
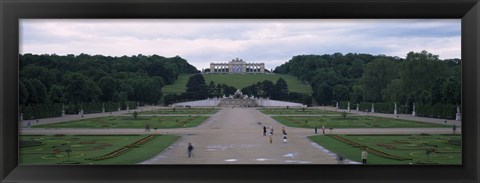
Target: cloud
[[271, 41]]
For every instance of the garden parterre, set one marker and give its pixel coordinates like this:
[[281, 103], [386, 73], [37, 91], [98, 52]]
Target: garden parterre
[[396, 149], [89, 149], [131, 122]]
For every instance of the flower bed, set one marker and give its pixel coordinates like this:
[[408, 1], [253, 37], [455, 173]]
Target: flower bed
[[296, 121], [369, 149], [124, 149], [183, 123]]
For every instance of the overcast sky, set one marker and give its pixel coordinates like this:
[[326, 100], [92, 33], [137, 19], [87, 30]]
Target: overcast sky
[[270, 41]]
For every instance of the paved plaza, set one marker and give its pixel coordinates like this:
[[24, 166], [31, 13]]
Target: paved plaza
[[235, 136]]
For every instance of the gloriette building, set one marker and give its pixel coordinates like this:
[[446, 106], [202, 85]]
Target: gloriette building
[[237, 66]]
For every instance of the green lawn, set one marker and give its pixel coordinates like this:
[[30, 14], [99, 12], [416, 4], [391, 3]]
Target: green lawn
[[50, 149], [183, 111], [296, 111], [130, 122], [179, 86], [239, 81], [447, 148], [351, 122]]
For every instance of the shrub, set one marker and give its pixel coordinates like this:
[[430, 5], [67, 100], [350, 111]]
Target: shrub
[[135, 114]]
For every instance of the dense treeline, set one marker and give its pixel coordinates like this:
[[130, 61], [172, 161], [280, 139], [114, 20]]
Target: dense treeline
[[420, 78], [197, 89], [53, 79], [277, 91]]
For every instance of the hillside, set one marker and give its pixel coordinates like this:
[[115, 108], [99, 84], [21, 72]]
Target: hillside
[[239, 81]]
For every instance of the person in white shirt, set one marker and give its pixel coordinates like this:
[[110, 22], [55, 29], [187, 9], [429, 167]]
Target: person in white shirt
[[364, 156]]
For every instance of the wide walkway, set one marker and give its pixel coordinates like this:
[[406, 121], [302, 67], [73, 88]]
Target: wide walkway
[[234, 136]]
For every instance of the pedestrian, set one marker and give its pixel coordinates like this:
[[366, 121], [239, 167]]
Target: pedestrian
[[316, 130], [285, 138], [29, 124], [190, 150], [454, 127], [264, 131], [147, 127], [271, 130], [340, 159], [323, 129], [283, 130], [364, 156], [270, 137]]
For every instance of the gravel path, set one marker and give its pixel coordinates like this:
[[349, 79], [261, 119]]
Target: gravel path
[[234, 136]]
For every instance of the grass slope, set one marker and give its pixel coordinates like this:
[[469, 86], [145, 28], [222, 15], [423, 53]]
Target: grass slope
[[239, 81]]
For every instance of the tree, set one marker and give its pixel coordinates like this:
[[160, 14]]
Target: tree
[[108, 87], [196, 87], [22, 93], [280, 89], [356, 96], [340, 93], [419, 72], [147, 90], [268, 88], [394, 92], [93, 92], [57, 94], [76, 89], [322, 93], [378, 74], [212, 92], [40, 73], [356, 69], [37, 92]]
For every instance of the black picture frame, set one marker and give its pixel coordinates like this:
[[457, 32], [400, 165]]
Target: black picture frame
[[13, 10]]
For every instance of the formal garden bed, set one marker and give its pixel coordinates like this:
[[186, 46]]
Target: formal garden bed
[[296, 111], [158, 122], [352, 122], [92, 149], [395, 149], [183, 110]]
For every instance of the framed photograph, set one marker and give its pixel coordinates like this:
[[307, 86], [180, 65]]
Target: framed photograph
[[280, 91]]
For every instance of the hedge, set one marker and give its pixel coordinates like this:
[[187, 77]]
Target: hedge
[[447, 111], [39, 111]]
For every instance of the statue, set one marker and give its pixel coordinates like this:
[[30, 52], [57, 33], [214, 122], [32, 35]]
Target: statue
[[458, 115], [238, 95], [413, 112], [395, 110]]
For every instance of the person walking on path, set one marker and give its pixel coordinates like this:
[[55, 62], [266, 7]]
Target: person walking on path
[[316, 130], [264, 131], [285, 138], [364, 156], [340, 158], [454, 127], [283, 130], [270, 137], [190, 150], [147, 127], [271, 130], [323, 129], [29, 124]]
